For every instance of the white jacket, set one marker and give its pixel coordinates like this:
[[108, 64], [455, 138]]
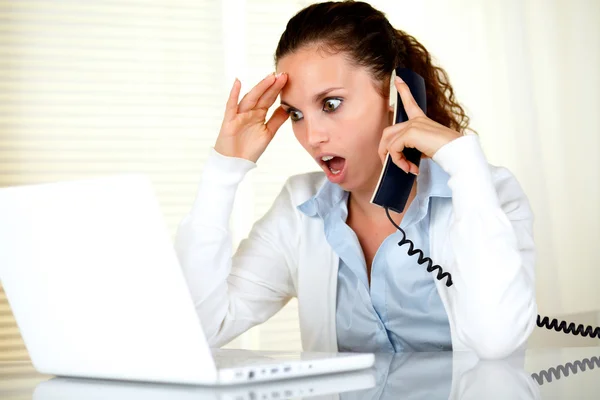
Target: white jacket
[[484, 239]]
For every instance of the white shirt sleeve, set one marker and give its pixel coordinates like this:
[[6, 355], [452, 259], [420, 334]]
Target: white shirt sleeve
[[491, 237], [233, 292]]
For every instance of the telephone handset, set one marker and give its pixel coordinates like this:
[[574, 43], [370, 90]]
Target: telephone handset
[[394, 186]]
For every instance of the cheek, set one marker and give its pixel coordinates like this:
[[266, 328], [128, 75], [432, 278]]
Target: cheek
[[300, 135], [367, 127]]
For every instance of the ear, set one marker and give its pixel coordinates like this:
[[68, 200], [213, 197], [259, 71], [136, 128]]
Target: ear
[[391, 115]]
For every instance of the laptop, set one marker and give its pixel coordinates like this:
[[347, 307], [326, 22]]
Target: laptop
[[92, 278]]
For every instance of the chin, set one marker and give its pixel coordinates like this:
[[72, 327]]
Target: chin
[[357, 184]]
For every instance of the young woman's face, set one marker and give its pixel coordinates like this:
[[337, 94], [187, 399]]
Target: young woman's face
[[335, 110]]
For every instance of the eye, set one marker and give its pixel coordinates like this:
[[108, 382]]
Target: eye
[[295, 115], [330, 105]]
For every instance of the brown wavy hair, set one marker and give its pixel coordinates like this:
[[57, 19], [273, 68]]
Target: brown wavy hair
[[367, 37]]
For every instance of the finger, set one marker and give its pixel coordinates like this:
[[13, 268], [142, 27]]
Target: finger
[[383, 152], [408, 101], [391, 131], [251, 98], [396, 149], [388, 135], [277, 119], [268, 97], [400, 161], [414, 169], [231, 106], [382, 157]]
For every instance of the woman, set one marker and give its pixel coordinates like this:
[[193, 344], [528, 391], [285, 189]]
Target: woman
[[324, 242]]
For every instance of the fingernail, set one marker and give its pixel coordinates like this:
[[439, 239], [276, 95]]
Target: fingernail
[[277, 75], [398, 79]]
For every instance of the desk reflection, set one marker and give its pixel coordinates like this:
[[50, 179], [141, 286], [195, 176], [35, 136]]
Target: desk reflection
[[447, 375], [441, 375], [314, 387]]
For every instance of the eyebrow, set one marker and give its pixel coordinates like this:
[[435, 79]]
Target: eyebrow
[[317, 97]]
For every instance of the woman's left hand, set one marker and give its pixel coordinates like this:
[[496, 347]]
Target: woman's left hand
[[418, 132]]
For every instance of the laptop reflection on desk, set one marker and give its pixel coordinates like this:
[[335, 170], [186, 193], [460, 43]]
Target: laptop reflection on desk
[[77, 388]]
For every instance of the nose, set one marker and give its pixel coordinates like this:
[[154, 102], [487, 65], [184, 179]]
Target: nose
[[315, 134]]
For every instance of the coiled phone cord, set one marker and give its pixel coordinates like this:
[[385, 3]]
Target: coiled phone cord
[[570, 367], [542, 322]]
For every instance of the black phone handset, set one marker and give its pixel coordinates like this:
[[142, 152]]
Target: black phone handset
[[394, 186]]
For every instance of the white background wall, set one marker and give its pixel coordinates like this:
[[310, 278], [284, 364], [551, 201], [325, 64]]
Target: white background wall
[[93, 88]]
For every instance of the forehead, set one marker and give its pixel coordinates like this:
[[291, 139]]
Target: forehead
[[312, 69], [315, 63]]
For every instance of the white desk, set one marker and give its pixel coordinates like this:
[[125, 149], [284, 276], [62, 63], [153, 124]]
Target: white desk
[[539, 373]]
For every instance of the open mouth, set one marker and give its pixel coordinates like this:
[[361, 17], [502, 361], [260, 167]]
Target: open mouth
[[335, 164]]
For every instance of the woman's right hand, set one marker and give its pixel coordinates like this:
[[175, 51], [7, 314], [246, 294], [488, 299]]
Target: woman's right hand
[[244, 132]]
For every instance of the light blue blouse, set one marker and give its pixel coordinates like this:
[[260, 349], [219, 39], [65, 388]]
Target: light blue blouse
[[401, 311]]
